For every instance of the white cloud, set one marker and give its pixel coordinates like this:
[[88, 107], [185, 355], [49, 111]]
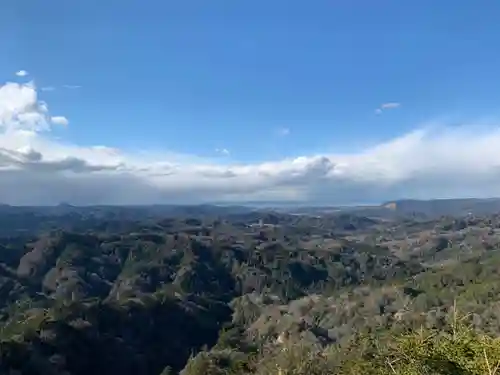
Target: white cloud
[[223, 151], [428, 162], [72, 87], [22, 73], [390, 105], [20, 108], [59, 120], [48, 88], [385, 106]]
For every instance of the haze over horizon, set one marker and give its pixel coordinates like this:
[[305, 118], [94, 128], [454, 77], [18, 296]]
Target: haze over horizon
[[327, 103]]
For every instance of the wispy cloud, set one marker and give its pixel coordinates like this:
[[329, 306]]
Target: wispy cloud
[[284, 131], [48, 88], [22, 73], [223, 151], [390, 105], [36, 168], [72, 87], [387, 106]]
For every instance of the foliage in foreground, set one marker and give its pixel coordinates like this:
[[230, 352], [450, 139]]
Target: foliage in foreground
[[456, 350]]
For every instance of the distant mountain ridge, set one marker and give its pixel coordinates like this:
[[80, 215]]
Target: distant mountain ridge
[[431, 208], [445, 207]]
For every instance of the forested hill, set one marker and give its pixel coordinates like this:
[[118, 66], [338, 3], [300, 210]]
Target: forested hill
[[110, 290], [416, 209]]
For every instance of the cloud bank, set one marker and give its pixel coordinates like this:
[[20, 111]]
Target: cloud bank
[[429, 162]]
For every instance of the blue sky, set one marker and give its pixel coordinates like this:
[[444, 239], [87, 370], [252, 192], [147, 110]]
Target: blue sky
[[226, 84]]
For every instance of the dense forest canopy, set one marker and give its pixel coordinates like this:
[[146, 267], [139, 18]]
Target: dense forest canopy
[[217, 290]]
